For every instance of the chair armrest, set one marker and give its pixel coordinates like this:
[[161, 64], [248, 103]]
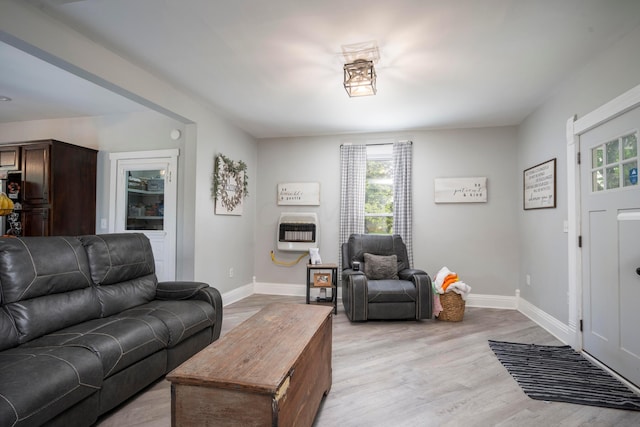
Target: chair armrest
[[422, 282], [349, 272], [354, 295], [186, 290], [408, 273]]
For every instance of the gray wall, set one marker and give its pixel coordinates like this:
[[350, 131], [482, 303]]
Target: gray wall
[[543, 244], [478, 241]]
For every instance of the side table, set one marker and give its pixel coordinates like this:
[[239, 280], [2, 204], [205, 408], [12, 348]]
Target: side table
[[324, 276]]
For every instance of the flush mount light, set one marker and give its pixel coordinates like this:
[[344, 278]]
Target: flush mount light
[[359, 73], [360, 78], [4, 98]]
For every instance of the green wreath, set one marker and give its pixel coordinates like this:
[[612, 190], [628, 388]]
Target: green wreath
[[232, 171]]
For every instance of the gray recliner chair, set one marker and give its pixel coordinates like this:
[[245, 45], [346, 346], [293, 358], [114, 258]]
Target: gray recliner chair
[[377, 282]]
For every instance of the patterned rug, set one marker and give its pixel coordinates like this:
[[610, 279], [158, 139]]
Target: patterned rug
[[560, 374]]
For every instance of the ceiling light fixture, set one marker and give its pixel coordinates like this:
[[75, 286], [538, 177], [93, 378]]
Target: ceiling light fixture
[[359, 73], [360, 78], [4, 98]]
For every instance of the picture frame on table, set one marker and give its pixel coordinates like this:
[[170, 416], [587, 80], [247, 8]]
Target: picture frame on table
[[322, 280]]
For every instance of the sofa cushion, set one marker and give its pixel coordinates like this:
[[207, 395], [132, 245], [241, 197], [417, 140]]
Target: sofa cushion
[[384, 291], [182, 318], [28, 268], [119, 257], [379, 267], [121, 296], [39, 316], [8, 332], [36, 384], [122, 266], [41, 292], [118, 341]]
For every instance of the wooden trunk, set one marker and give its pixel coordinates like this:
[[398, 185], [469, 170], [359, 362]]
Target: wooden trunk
[[272, 370]]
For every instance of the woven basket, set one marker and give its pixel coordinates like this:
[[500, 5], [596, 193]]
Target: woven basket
[[452, 307]]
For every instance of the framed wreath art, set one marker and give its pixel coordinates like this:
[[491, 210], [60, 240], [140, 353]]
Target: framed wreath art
[[230, 185]]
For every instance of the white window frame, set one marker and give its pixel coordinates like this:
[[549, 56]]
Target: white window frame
[[375, 152]]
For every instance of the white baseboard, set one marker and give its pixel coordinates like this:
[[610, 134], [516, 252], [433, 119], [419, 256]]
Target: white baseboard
[[554, 326], [492, 301], [237, 294], [288, 289]]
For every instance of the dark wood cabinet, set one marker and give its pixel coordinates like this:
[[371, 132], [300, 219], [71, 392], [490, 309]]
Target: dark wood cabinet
[[58, 191], [35, 222], [35, 174], [9, 158]]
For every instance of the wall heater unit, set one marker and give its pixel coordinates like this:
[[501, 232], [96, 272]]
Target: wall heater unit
[[297, 231]]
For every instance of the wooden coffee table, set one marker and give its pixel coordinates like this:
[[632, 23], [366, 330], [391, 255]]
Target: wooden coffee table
[[271, 370]]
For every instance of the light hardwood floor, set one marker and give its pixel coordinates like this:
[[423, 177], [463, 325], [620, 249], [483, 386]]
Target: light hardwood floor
[[429, 373]]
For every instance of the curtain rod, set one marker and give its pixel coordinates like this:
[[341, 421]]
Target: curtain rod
[[376, 143]]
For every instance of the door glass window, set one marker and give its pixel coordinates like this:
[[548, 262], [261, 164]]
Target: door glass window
[[145, 200], [613, 177], [614, 164], [613, 152], [629, 146]]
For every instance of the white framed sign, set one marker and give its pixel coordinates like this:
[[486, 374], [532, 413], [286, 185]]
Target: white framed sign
[[299, 193], [540, 186], [461, 190]]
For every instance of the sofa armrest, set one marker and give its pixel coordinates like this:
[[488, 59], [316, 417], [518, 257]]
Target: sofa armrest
[[354, 295], [183, 290], [176, 290], [422, 282]]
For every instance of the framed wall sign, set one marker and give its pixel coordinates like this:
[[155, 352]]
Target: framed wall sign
[[299, 193], [540, 186], [461, 190]]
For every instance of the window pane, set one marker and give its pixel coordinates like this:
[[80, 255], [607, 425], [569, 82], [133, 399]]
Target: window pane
[[626, 173], [613, 152], [597, 157], [597, 180], [379, 187], [629, 146], [378, 225], [613, 177]]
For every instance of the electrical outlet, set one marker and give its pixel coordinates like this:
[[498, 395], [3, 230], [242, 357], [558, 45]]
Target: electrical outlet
[[528, 279], [230, 271], [103, 223]]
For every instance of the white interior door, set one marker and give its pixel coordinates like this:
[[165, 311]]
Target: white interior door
[[145, 202], [610, 217]]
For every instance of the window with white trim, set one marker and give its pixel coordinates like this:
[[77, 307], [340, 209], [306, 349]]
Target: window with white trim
[[378, 206]]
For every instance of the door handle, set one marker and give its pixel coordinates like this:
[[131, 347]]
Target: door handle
[[638, 271]]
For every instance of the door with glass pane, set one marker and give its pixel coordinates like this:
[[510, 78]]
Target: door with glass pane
[[610, 218], [145, 199], [146, 194]]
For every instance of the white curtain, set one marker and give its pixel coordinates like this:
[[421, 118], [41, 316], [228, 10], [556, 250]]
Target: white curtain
[[402, 195], [353, 174]]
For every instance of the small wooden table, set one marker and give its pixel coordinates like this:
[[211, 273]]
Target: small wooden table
[[332, 284], [271, 370]]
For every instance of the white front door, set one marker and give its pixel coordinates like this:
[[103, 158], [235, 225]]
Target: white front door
[[145, 202], [610, 218]]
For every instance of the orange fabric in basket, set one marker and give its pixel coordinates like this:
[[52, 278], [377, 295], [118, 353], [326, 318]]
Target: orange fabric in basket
[[451, 278]]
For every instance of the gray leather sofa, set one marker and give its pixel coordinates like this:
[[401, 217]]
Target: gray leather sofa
[[388, 291], [84, 325]]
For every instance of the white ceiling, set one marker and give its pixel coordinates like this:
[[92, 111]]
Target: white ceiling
[[275, 67]]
